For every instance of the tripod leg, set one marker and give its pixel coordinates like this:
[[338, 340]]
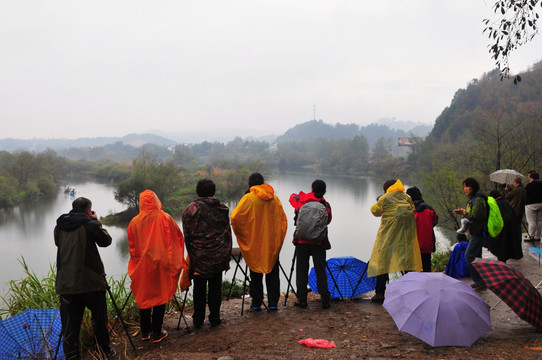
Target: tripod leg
[[232, 282], [290, 278], [360, 280], [244, 291], [120, 317], [121, 310], [181, 310], [334, 281]]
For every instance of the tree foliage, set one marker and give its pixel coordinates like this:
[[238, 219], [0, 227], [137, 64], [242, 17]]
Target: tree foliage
[[515, 26]]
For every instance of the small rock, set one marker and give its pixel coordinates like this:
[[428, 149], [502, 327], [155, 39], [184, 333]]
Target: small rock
[[225, 358]]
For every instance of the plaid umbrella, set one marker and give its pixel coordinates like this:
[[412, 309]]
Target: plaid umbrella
[[350, 275], [513, 288], [32, 334], [506, 176]]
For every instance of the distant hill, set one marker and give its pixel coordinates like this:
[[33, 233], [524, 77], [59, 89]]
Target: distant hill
[[314, 129], [489, 96], [38, 145]]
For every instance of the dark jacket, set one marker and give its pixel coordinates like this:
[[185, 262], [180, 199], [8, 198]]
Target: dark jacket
[[477, 212], [517, 198], [79, 266], [534, 192], [506, 245], [207, 236]]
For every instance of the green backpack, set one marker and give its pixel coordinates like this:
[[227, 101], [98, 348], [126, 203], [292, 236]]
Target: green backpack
[[494, 218]]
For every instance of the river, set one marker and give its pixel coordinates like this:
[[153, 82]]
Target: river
[[27, 231]]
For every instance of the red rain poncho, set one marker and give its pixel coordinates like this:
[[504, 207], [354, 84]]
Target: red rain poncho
[[156, 246]]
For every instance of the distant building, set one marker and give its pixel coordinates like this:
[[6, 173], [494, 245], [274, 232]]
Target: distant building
[[405, 141]]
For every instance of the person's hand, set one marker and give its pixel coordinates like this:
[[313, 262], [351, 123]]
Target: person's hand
[[93, 214]]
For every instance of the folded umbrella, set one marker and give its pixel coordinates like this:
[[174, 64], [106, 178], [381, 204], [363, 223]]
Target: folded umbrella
[[437, 309], [513, 288]]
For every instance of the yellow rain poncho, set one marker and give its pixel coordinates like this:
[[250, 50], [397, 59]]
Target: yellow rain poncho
[[396, 246], [156, 246], [260, 224]]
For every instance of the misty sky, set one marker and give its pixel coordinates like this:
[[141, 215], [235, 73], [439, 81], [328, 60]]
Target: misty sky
[[109, 68]]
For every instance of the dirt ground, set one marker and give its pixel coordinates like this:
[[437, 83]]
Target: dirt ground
[[359, 329]]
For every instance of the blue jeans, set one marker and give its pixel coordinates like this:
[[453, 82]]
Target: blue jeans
[[474, 250]]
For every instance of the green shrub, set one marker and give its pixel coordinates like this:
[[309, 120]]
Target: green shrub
[[439, 260], [236, 289]]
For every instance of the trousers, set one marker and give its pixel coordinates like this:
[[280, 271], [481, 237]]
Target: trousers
[[272, 282], [72, 308], [213, 298], [318, 253]]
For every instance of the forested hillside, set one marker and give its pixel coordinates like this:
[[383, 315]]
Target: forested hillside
[[490, 125]]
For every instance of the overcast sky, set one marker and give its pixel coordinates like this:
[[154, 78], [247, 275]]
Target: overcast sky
[[109, 68]]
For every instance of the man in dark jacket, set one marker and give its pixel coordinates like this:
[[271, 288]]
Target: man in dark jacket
[[517, 198], [80, 279], [208, 240]]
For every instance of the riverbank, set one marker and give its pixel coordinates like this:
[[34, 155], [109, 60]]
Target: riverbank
[[359, 329]]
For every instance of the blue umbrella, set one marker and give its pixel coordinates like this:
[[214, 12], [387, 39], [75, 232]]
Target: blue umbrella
[[33, 333], [346, 277]]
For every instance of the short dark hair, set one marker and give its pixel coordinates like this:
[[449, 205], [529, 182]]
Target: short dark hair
[[518, 180], [414, 193], [205, 188], [81, 205], [495, 194], [318, 188], [388, 183], [255, 179], [472, 183], [533, 175]]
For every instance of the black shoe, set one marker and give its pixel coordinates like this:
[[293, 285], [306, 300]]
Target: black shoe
[[198, 325], [159, 337], [215, 323], [479, 286], [378, 298], [111, 353], [145, 336], [301, 304]]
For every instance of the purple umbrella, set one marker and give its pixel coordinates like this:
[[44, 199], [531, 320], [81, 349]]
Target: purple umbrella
[[437, 309]]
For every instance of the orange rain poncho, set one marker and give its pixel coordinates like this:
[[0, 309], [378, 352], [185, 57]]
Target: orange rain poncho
[[260, 224], [156, 246], [396, 246]]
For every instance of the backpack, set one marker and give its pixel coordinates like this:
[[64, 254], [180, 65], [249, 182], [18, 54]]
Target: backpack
[[495, 222], [311, 223]]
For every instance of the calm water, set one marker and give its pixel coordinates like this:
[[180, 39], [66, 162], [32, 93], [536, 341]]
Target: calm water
[[27, 231]]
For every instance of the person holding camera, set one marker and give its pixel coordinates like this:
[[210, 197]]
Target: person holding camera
[[80, 278]]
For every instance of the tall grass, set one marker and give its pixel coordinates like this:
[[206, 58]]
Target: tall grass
[[32, 292]]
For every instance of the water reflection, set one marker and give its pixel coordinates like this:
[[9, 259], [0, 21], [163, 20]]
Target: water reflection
[[28, 229]]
